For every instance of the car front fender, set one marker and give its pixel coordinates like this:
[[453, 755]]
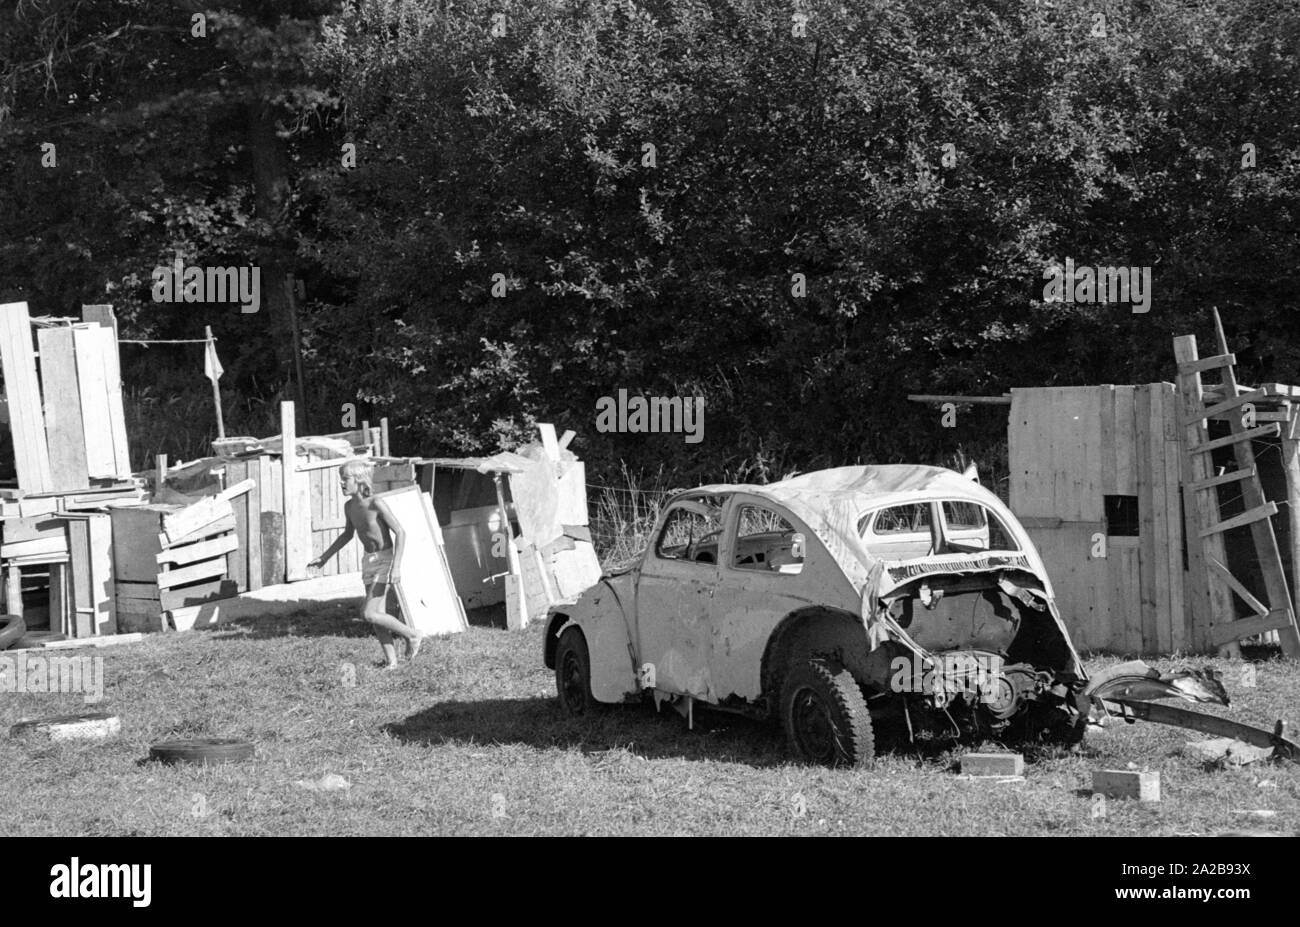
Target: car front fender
[[600, 615]]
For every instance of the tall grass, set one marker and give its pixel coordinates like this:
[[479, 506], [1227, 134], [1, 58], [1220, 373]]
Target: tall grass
[[183, 423], [623, 516]]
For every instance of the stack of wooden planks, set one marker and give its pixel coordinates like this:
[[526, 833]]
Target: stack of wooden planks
[[67, 422], [171, 560]]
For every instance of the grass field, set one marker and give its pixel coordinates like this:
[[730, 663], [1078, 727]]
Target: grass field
[[468, 740]]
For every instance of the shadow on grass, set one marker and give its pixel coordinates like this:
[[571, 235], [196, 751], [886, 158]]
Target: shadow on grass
[[328, 619], [717, 736], [338, 618], [538, 722]]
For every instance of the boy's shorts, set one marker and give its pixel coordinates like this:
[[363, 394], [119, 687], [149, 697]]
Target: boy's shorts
[[376, 567]]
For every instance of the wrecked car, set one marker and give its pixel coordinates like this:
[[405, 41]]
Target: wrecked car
[[831, 602]]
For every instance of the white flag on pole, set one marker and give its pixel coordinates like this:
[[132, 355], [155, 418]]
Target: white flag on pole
[[212, 368]]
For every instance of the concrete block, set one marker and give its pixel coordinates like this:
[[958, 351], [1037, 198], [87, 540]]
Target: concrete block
[[993, 764], [1126, 783]]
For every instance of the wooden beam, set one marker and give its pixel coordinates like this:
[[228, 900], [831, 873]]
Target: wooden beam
[[1266, 549], [1226, 406], [116, 411], [1230, 477], [200, 550], [971, 400], [221, 525], [1255, 605], [1263, 431], [1231, 631], [66, 438], [1206, 363], [1245, 518], [203, 570], [1207, 596], [23, 395], [96, 418]]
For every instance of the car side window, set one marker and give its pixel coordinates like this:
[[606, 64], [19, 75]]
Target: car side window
[[766, 541], [971, 527], [691, 531]]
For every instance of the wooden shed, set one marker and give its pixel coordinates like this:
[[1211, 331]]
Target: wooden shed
[[1103, 480]]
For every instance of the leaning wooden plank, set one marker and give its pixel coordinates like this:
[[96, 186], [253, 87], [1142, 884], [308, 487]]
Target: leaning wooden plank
[[202, 550], [1206, 363], [116, 412], [63, 427], [1254, 604], [1263, 431], [1267, 554], [1245, 518], [1231, 477], [92, 383], [194, 518], [220, 526], [425, 589], [23, 396], [205, 569], [1226, 406], [1208, 598]]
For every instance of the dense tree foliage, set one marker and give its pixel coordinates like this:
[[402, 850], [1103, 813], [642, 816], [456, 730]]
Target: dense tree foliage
[[919, 162]]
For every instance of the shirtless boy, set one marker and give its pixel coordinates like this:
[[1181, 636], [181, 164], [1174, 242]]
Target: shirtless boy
[[379, 566]]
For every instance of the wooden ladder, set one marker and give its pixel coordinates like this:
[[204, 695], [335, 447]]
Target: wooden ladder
[[1201, 486]]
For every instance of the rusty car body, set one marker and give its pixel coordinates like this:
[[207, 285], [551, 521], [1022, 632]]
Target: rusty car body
[[829, 601]]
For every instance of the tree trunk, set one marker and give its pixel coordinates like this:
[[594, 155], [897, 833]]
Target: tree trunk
[[271, 189]]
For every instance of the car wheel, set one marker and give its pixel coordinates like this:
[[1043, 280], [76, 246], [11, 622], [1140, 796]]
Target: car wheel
[[825, 716], [573, 674]]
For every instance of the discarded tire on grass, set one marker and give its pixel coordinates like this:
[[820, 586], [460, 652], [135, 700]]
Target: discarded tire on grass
[[93, 726], [12, 627], [201, 751]]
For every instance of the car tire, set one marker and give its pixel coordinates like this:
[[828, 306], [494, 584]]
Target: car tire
[[201, 750], [825, 716], [573, 674]]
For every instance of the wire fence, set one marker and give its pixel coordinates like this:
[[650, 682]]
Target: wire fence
[[622, 518]]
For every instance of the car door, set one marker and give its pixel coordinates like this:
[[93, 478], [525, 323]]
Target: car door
[[676, 585], [765, 573]]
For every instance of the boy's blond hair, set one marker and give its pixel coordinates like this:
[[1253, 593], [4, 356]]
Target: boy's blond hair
[[362, 470]]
